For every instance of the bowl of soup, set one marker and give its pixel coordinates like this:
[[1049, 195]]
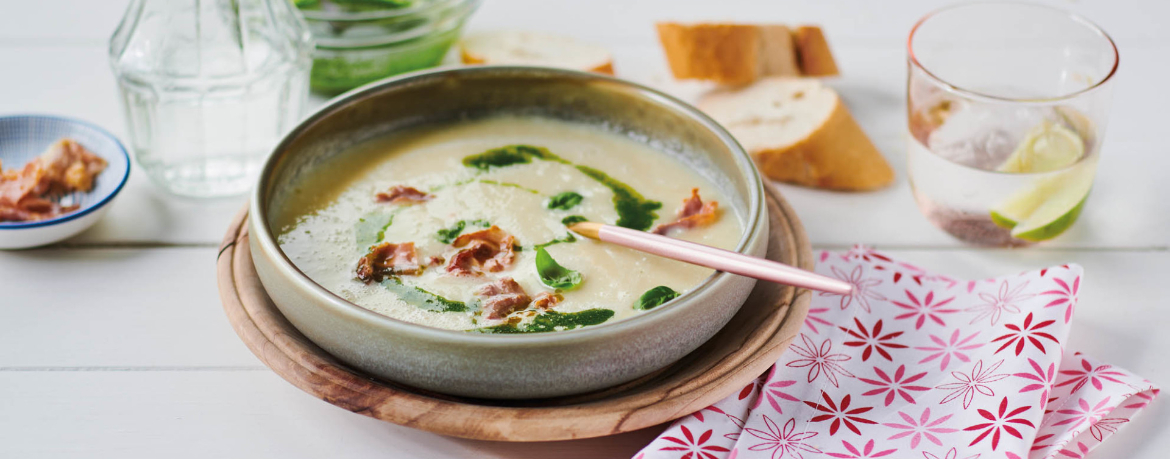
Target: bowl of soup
[[416, 229]]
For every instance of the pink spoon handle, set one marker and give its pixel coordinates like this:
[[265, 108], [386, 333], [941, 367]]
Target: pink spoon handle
[[720, 259]]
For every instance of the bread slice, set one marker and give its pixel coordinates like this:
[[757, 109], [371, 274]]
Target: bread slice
[[815, 57], [534, 48], [728, 53], [799, 131]]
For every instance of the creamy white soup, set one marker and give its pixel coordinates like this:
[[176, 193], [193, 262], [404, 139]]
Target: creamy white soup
[[464, 226]]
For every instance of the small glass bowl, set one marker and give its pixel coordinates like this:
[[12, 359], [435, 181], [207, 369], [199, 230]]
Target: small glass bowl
[[359, 41]]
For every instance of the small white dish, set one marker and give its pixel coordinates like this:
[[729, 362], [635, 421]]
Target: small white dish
[[24, 137]]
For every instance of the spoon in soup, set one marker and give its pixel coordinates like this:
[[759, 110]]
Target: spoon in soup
[[711, 257]]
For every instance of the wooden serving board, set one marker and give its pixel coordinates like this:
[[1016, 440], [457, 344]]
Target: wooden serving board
[[744, 349]]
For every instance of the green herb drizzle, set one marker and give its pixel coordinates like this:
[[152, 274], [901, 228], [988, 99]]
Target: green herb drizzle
[[447, 235], [509, 185], [552, 321], [372, 228], [421, 298], [568, 237], [564, 201], [510, 155], [573, 219], [634, 210]]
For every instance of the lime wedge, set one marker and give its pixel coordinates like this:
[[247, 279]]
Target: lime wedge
[[1048, 207], [1056, 219], [1047, 147]]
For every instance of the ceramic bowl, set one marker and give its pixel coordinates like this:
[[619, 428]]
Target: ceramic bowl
[[24, 137], [507, 366]]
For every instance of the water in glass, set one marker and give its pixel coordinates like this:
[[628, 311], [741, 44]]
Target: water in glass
[[209, 87]]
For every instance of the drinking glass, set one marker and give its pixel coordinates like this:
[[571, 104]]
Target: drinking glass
[[1007, 104]]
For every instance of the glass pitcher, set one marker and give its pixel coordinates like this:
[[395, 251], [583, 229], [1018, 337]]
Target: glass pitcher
[[209, 87]]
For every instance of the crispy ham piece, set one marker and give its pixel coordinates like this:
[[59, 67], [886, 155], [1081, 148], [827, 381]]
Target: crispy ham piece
[[546, 300], [388, 259], [65, 167], [693, 213], [402, 195], [489, 250], [502, 297]]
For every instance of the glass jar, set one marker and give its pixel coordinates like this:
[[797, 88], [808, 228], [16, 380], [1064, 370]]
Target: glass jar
[[360, 41], [209, 87]]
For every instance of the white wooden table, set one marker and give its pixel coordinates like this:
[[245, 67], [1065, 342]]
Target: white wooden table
[[113, 344]]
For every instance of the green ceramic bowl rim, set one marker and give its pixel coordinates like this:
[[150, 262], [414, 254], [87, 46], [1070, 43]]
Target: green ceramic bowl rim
[[266, 240]]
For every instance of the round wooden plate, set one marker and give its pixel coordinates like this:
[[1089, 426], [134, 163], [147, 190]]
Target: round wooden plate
[[744, 349]]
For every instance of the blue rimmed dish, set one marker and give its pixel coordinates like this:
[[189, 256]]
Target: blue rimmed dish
[[23, 138]]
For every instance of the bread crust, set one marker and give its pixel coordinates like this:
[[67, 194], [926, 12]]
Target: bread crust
[[724, 53], [812, 49], [837, 155]]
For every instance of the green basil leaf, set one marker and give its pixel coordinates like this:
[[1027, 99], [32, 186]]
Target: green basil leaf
[[552, 321], [553, 274], [655, 297], [573, 219], [564, 201]]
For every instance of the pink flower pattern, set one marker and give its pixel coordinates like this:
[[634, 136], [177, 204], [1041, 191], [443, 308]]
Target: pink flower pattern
[[955, 347], [896, 385], [694, 447], [977, 381], [928, 308], [1085, 413], [923, 427], [819, 360], [865, 452], [1041, 380], [1025, 333], [1090, 374], [872, 339], [871, 370], [994, 306], [1004, 420], [782, 442], [953, 453], [774, 393], [862, 289], [1066, 296]]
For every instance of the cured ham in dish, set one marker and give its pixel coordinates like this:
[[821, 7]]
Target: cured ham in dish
[[65, 167], [401, 194], [388, 259], [490, 250]]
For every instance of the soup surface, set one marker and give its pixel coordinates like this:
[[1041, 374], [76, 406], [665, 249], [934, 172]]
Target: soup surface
[[463, 226]]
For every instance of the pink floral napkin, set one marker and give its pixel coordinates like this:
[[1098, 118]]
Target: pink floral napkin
[[916, 365]]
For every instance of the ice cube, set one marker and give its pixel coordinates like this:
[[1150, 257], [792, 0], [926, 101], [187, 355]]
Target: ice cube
[[983, 135]]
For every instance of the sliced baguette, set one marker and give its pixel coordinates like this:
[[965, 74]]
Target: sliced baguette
[[534, 48], [728, 53], [815, 57], [799, 131]]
